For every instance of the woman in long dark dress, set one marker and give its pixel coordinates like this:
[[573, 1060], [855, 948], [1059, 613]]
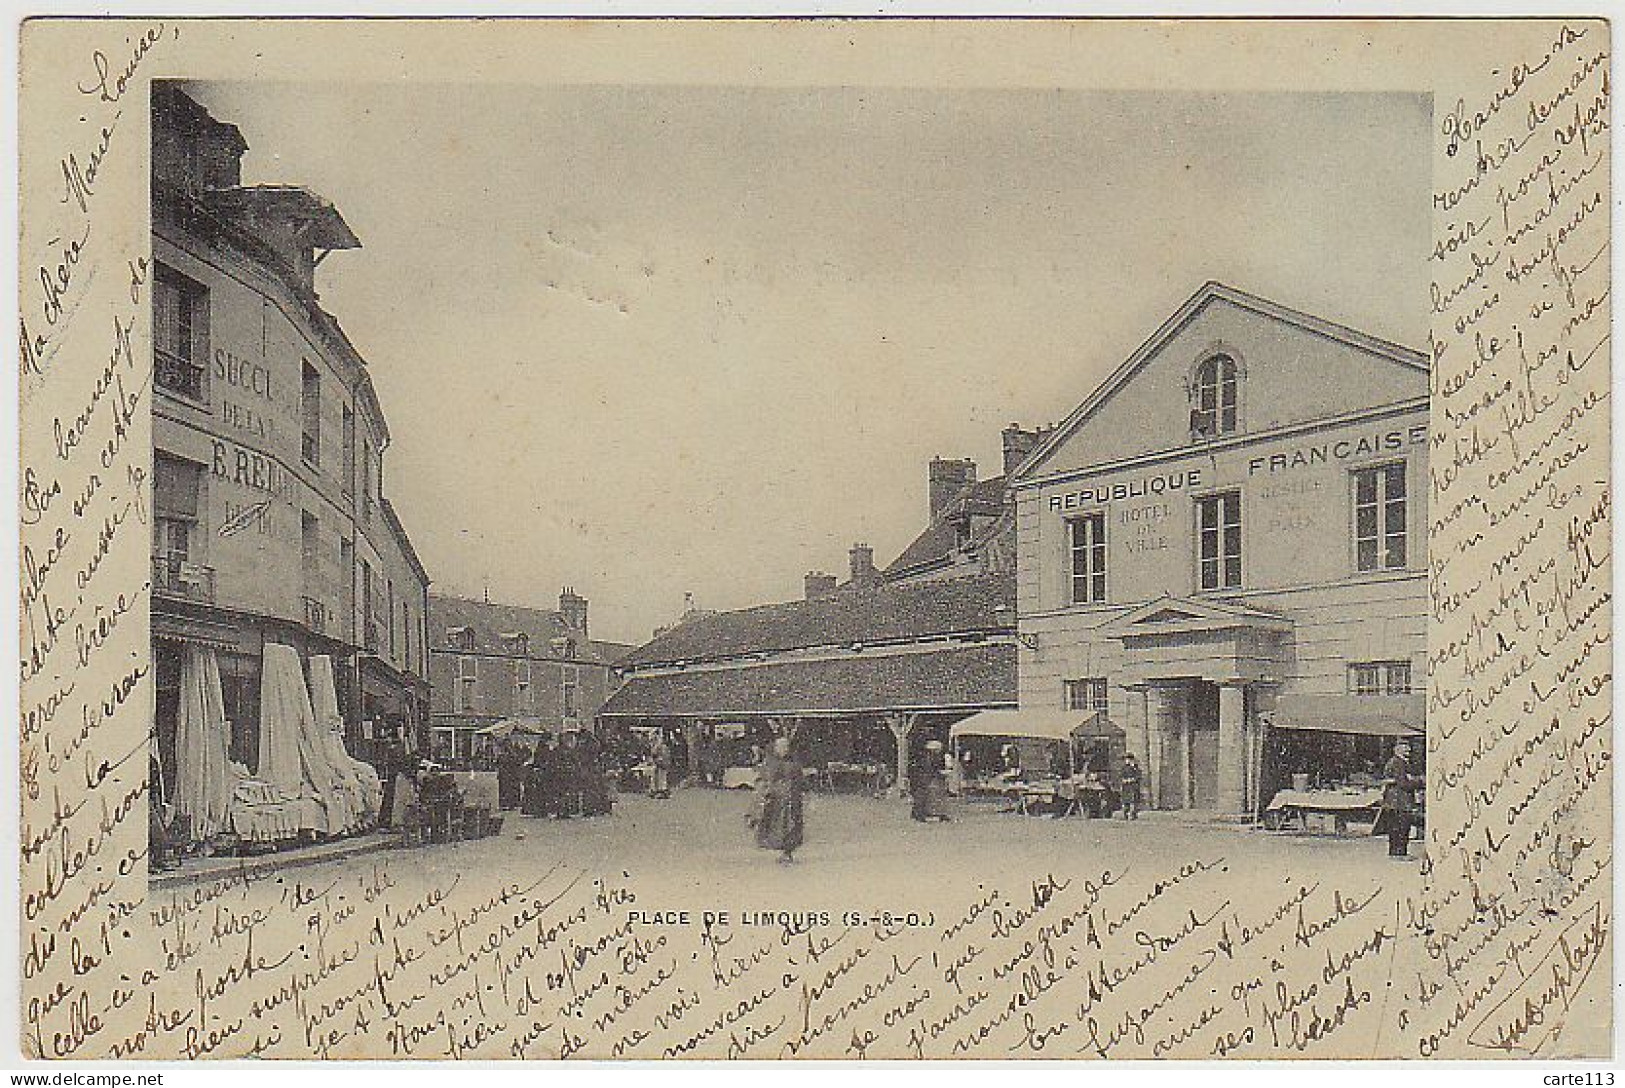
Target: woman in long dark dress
[[539, 784], [779, 823], [596, 799], [929, 786]]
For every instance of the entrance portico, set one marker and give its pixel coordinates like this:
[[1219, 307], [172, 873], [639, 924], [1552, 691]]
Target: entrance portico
[[1194, 669]]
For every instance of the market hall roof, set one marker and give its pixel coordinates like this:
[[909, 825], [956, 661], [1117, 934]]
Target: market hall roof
[[888, 613], [961, 678]]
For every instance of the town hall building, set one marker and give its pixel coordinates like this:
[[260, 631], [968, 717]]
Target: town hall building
[[1224, 549]]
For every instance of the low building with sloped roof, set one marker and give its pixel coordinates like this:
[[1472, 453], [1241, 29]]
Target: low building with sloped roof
[[859, 677]]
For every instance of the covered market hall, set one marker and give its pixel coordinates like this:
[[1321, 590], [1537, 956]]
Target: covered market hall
[[859, 680]]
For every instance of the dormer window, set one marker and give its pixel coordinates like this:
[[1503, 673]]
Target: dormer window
[[460, 638], [1213, 397], [517, 643]]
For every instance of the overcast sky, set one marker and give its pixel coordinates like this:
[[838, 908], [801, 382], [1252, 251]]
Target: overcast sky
[[648, 341]]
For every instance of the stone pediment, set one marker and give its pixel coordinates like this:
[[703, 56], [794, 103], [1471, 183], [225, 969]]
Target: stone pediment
[[1170, 614]]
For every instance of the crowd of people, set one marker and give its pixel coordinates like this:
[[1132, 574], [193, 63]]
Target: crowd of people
[[564, 781]]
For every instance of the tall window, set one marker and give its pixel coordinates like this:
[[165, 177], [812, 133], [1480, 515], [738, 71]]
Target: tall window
[[347, 570], [366, 478], [1213, 398], [348, 483], [369, 627], [462, 692], [524, 698], [1086, 694], [175, 493], [569, 705], [180, 318], [1218, 526], [389, 612], [1380, 678], [310, 545], [310, 414], [1088, 558], [1379, 517]]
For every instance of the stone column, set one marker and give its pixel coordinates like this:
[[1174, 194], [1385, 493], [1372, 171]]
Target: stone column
[[1139, 726], [1166, 721], [1233, 754]]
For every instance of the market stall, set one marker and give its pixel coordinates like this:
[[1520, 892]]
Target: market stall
[[1060, 761], [1323, 771]]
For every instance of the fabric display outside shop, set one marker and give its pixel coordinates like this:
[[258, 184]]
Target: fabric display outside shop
[[203, 776], [356, 779], [307, 782]]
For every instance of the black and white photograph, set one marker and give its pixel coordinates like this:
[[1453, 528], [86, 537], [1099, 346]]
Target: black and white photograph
[[425, 405], [658, 568]]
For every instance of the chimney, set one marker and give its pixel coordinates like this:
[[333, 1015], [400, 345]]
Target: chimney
[[573, 609], [863, 564], [1018, 444], [947, 479], [818, 584]]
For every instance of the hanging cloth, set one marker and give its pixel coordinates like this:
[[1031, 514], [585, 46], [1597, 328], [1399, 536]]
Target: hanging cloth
[[356, 780], [284, 708], [203, 781]]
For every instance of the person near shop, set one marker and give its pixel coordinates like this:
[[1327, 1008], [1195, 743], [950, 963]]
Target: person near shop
[[660, 757], [392, 762], [1130, 782], [1398, 801], [597, 799], [512, 768], [539, 781], [929, 786], [779, 817], [567, 773]]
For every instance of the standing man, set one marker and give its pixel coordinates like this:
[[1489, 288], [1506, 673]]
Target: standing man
[[660, 756], [1131, 787], [391, 761], [1398, 800]]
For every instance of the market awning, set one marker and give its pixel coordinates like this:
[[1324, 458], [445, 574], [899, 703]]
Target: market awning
[[1043, 724], [1355, 715]]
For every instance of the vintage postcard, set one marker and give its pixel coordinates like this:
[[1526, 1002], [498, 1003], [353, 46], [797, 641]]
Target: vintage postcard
[[815, 539]]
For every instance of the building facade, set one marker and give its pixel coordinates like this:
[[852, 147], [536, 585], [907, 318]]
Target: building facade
[[971, 523], [1224, 549], [491, 662], [270, 522]]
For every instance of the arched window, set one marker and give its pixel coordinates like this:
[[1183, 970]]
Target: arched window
[[1213, 397]]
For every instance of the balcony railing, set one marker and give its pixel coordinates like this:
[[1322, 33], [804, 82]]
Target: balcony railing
[[173, 576], [315, 615], [178, 375]]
